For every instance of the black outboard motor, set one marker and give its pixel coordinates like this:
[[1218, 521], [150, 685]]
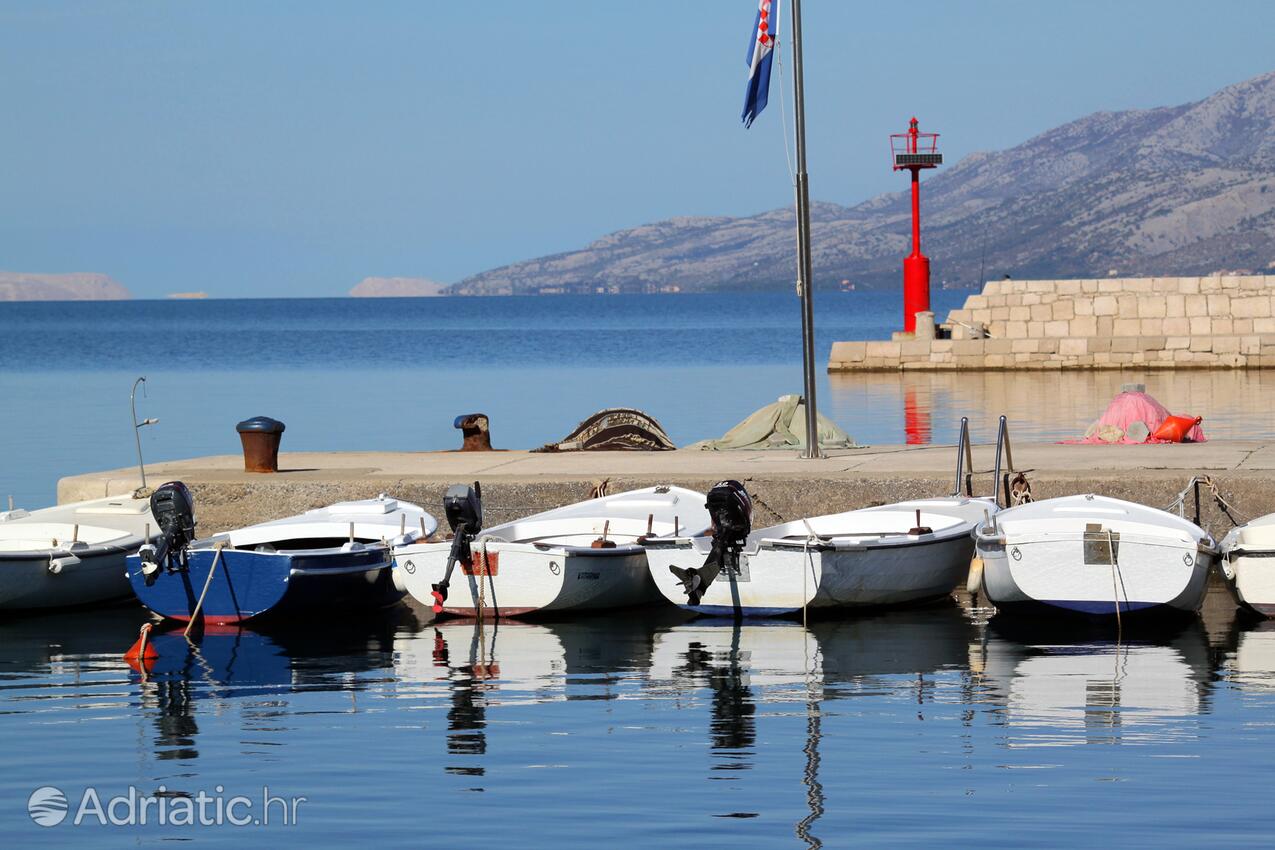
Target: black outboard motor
[[731, 510], [463, 507], [173, 507]]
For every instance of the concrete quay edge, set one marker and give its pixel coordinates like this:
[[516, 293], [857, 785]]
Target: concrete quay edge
[[517, 483]]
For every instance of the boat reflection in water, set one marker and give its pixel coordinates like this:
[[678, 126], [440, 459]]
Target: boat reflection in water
[[229, 665], [488, 664], [775, 673], [1251, 666], [1090, 689]]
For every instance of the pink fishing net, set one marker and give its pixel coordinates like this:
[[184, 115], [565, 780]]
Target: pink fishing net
[[1126, 409]]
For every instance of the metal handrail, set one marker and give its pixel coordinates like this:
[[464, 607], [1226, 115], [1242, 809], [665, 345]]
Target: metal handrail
[[1003, 451], [964, 459]]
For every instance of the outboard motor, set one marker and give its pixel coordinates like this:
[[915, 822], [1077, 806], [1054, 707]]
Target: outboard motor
[[173, 507], [463, 507], [731, 510]]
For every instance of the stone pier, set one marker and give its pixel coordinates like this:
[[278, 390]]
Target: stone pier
[[1216, 322]]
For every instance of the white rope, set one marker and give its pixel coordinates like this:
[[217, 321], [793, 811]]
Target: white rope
[[810, 563], [783, 103]]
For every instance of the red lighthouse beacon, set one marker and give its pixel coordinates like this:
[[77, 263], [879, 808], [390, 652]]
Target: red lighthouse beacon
[[915, 151]]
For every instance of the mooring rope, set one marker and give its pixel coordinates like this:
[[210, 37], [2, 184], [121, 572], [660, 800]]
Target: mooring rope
[[1229, 510], [219, 546], [1115, 588]]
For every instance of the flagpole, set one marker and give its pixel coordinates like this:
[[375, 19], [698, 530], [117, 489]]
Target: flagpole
[[805, 282]]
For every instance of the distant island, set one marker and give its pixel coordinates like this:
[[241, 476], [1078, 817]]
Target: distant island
[[76, 286], [397, 287], [184, 296]]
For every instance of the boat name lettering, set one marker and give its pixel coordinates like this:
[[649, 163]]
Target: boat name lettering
[[585, 575]]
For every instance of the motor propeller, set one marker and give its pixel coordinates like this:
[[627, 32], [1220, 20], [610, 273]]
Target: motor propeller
[[731, 510], [463, 507], [173, 507]]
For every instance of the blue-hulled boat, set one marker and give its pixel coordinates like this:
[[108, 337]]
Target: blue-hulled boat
[[340, 556]]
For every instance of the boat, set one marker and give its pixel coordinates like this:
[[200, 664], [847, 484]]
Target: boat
[[895, 554], [1094, 556], [340, 556], [70, 555], [1248, 564], [582, 557]]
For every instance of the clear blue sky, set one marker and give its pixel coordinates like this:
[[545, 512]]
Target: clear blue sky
[[292, 148]]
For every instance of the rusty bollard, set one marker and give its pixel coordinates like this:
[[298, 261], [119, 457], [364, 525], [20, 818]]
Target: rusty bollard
[[260, 436], [474, 427]]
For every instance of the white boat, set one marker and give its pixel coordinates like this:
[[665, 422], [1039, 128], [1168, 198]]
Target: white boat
[[1095, 556], [1248, 564], [585, 556], [71, 554], [888, 555]]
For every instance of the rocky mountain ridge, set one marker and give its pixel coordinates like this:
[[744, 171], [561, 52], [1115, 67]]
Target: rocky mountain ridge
[[1181, 190]]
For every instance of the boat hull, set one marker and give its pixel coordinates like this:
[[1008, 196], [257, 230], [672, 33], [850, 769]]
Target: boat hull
[[62, 580], [1051, 575], [1250, 575], [781, 581], [247, 585], [517, 579]]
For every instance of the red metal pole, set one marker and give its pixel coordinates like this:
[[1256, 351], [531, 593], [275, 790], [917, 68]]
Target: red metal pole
[[916, 267]]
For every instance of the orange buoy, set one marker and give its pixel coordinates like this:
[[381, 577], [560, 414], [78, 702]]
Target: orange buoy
[[142, 654]]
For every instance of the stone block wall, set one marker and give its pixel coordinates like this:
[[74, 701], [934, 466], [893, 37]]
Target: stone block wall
[[1222, 321]]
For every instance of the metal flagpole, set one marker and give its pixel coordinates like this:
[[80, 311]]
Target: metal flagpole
[[805, 282]]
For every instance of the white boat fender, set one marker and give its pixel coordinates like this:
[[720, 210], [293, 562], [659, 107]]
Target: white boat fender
[[974, 581], [58, 565]]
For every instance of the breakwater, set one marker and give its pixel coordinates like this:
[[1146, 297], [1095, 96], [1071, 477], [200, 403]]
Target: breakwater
[[1215, 322]]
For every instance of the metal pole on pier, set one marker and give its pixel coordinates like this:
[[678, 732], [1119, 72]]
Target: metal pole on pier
[[805, 282]]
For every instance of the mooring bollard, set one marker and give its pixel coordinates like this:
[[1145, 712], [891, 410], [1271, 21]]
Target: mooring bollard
[[260, 436], [474, 427]]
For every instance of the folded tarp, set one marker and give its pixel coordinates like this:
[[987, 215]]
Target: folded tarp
[[781, 425], [1131, 418]]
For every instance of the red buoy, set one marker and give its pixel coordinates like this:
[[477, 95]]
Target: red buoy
[[142, 654]]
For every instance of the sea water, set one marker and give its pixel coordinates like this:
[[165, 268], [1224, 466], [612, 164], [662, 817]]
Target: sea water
[[391, 374], [928, 727]]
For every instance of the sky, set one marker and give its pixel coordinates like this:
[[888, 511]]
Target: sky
[[252, 149]]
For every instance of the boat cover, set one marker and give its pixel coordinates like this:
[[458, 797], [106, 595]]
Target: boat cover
[[1131, 418], [781, 425], [614, 429]]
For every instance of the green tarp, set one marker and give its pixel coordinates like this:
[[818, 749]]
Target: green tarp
[[781, 425]]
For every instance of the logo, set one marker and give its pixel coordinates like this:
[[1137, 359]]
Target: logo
[[554, 568], [47, 806], [409, 567]]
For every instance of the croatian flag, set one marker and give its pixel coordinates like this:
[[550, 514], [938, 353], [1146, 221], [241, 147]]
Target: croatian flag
[[761, 49]]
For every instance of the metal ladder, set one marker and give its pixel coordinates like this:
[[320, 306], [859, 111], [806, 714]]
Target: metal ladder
[[1002, 471]]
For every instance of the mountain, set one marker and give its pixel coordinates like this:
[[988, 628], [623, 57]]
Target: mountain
[[78, 286], [396, 287], [1180, 190]]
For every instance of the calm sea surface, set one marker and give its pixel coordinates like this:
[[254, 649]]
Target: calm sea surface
[[392, 374], [921, 728]]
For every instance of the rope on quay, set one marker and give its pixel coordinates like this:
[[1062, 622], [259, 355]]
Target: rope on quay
[[1229, 510]]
